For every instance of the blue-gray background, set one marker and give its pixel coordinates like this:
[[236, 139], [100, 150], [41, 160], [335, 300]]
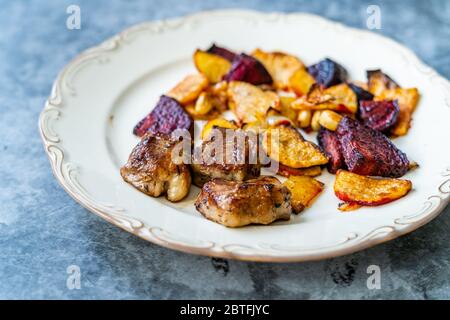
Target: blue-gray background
[[43, 231]]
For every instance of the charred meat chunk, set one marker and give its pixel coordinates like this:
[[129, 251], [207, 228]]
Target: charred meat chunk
[[223, 52], [248, 69], [379, 115], [236, 203], [369, 152], [167, 116], [329, 142], [223, 156], [328, 73], [152, 170]]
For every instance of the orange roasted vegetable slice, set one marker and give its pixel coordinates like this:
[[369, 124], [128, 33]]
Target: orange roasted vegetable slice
[[281, 66], [250, 103], [287, 146], [407, 101], [368, 191], [217, 123], [188, 90], [304, 190], [286, 171], [339, 98], [212, 66], [301, 81]]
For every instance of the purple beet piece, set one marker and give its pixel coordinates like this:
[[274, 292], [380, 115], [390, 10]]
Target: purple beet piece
[[379, 115], [330, 144], [248, 69], [328, 73], [369, 152], [361, 94], [167, 116], [223, 52]]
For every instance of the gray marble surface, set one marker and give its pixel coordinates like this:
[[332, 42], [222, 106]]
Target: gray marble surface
[[43, 231]]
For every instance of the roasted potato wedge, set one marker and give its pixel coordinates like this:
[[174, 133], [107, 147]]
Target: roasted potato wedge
[[304, 190], [189, 88], [329, 119], [301, 81], [338, 98], [407, 100], [368, 191], [190, 109], [250, 103], [281, 66], [285, 106], [217, 123], [212, 66], [379, 81], [286, 171], [287, 146], [204, 104]]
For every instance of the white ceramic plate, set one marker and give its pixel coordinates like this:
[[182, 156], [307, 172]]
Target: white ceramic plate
[[96, 100]]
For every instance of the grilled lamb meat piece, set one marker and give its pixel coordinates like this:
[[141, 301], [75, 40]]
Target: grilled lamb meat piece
[[229, 160], [167, 116], [330, 144], [151, 169], [236, 204], [379, 115], [369, 152]]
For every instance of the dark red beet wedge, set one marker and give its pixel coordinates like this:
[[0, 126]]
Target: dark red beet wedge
[[369, 152], [167, 116], [223, 52], [379, 115], [248, 69], [330, 144], [328, 73]]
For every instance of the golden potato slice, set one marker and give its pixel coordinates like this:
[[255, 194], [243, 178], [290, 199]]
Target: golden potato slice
[[204, 104], [407, 101], [281, 66], [304, 191], [377, 82], [214, 67], [189, 89], [304, 118], [329, 119], [285, 107], [190, 108], [368, 191], [348, 206], [286, 171], [338, 98], [287, 146], [250, 103], [301, 81], [217, 123], [315, 124]]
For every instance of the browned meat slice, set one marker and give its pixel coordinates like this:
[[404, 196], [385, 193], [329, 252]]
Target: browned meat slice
[[236, 204], [330, 144], [167, 116], [151, 170], [226, 158], [369, 152]]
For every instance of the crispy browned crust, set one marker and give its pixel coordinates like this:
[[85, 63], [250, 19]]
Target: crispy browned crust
[[219, 165], [236, 204], [150, 168]]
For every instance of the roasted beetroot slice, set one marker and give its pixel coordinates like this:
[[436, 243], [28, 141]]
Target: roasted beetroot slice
[[248, 69], [379, 115], [361, 94], [330, 144], [369, 152], [167, 116], [328, 73], [223, 52]]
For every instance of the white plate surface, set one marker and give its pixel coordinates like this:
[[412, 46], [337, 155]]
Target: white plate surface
[[96, 100]]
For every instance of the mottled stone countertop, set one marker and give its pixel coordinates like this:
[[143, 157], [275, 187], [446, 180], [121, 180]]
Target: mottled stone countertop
[[43, 231]]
